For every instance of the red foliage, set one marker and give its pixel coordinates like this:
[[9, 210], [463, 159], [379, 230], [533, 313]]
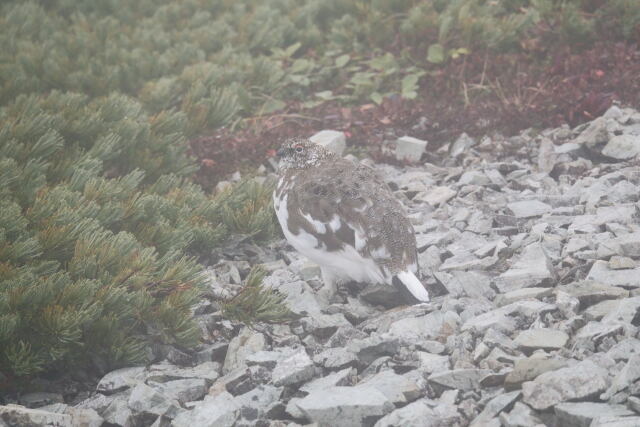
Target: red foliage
[[478, 94]]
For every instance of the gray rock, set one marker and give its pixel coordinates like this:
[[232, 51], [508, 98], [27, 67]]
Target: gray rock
[[461, 379], [462, 144], [410, 149], [118, 412], [494, 407], [436, 196], [414, 329], [622, 147], [336, 358], [344, 406], [294, 368], [17, 415], [595, 134], [616, 422], [120, 379], [541, 338], [627, 376], [628, 244], [332, 140], [575, 382], [529, 369], [621, 263], [208, 371], [590, 292], [628, 278], [581, 414], [214, 411], [533, 268], [185, 390], [259, 402], [246, 343], [520, 416], [369, 349], [522, 294], [502, 319], [431, 363], [625, 311], [340, 378], [41, 398], [149, 400], [591, 335], [528, 208], [397, 388], [624, 349], [601, 309], [421, 414]]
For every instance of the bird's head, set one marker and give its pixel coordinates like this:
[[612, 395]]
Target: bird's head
[[299, 153]]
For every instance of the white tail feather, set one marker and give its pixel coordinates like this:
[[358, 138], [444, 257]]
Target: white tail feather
[[411, 282]]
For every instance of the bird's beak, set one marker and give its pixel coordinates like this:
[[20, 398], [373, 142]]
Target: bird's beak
[[281, 152]]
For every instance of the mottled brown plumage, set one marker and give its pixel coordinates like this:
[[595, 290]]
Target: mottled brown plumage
[[329, 205]]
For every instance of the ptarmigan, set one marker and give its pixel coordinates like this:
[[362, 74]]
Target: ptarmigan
[[344, 218]]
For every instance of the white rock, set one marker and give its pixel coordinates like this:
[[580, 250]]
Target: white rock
[[398, 388], [246, 343], [528, 208], [332, 140], [572, 383], [293, 369], [435, 196], [214, 411], [16, 415], [622, 147], [344, 406], [410, 149], [582, 414], [533, 268], [542, 338]]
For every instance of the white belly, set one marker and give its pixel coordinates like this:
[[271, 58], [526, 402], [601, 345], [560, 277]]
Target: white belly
[[346, 264]]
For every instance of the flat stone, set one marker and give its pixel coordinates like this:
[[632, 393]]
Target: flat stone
[[528, 208], [581, 414], [295, 368], [622, 147], [344, 406], [435, 196], [571, 383], [627, 376], [461, 145], [340, 378], [599, 310], [460, 379], [624, 349], [259, 402], [336, 358], [214, 411], [369, 349], [502, 318], [626, 245], [431, 363], [410, 149], [541, 338], [520, 416], [149, 400], [625, 311], [421, 414], [591, 334], [332, 140], [616, 422], [120, 379], [494, 407], [628, 278], [590, 292], [522, 294], [41, 398], [414, 329], [208, 371], [397, 388], [246, 343], [533, 269], [529, 369], [621, 263], [118, 412], [17, 415], [595, 134], [185, 390]]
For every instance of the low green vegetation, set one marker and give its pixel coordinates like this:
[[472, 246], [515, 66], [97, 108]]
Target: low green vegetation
[[101, 225]]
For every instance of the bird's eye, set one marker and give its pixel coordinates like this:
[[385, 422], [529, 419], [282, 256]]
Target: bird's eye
[[298, 148]]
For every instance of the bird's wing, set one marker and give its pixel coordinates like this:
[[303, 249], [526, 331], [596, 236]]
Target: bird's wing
[[343, 204]]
